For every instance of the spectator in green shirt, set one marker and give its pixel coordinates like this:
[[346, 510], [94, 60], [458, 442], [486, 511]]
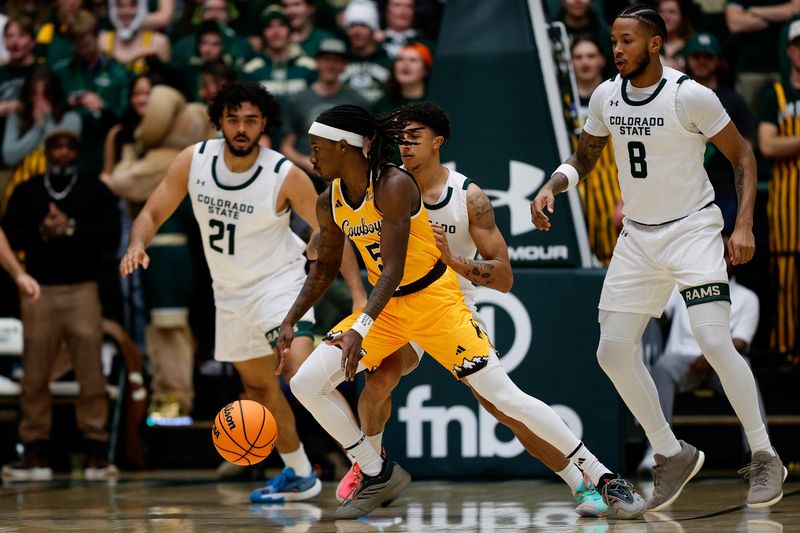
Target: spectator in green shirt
[[234, 45], [20, 40], [281, 67], [96, 86], [52, 41], [305, 33]]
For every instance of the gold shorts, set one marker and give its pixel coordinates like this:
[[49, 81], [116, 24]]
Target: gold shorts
[[437, 319]]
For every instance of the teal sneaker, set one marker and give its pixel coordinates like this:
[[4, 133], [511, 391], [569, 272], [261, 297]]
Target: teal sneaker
[[590, 503], [287, 487]]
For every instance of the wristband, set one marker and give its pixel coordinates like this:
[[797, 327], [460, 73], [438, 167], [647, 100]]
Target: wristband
[[570, 172], [362, 324]]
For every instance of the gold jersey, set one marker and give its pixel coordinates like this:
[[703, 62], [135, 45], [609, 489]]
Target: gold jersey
[[362, 224]]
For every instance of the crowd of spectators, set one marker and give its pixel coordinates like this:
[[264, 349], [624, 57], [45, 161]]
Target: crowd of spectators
[[96, 98]]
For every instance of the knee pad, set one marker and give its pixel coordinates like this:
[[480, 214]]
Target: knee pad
[[318, 374]]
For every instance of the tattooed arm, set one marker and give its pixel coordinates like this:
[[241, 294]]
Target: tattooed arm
[[742, 244], [494, 269], [321, 275], [585, 157]]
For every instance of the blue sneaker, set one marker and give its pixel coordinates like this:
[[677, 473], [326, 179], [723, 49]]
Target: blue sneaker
[[287, 487], [590, 503]]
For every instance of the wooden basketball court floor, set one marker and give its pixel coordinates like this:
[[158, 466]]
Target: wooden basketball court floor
[[196, 501]]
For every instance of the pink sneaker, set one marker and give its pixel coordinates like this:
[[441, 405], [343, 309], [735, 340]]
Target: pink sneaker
[[348, 483]]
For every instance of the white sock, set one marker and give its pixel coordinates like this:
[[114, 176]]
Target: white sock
[[585, 460], [759, 441], [572, 476], [298, 461], [376, 441], [664, 442], [365, 455]]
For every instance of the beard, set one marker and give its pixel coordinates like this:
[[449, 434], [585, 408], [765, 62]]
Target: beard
[[243, 152], [644, 62]]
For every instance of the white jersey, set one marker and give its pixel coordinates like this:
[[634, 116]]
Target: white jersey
[[451, 213], [659, 156], [246, 242]]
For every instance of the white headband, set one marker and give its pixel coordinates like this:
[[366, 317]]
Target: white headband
[[336, 134]]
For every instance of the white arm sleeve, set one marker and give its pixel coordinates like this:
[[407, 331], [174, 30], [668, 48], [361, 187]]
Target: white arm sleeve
[[699, 110], [594, 122]]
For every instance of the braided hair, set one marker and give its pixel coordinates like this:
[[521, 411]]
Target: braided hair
[[385, 131], [648, 18]]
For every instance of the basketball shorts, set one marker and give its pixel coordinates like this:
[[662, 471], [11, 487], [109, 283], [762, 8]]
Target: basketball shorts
[[437, 320], [649, 260], [250, 329], [475, 316]]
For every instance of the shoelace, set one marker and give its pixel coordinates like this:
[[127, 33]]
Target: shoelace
[[359, 480], [757, 472], [278, 480], [587, 485], [618, 483]]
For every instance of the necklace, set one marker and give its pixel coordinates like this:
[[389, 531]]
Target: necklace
[[59, 195]]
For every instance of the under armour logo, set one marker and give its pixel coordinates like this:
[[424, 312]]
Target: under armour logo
[[524, 180], [614, 103]]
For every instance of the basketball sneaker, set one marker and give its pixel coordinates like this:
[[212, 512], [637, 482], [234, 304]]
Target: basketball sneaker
[[351, 479], [33, 466], [622, 500], [348, 483], [373, 491], [590, 503], [29, 468], [100, 470], [288, 487], [671, 474], [766, 474]]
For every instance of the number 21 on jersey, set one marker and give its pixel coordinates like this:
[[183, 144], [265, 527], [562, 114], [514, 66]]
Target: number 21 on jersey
[[222, 233]]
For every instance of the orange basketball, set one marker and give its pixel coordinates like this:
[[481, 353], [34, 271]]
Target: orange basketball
[[244, 432]]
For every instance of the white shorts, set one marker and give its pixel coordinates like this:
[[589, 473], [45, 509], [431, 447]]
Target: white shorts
[[242, 334], [649, 260]]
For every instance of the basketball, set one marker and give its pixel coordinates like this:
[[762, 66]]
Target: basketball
[[244, 432]]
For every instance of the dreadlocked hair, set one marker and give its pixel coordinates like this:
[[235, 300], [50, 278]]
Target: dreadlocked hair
[[235, 93], [426, 113], [385, 131], [648, 18]]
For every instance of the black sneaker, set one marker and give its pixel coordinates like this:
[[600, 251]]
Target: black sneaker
[[373, 491]]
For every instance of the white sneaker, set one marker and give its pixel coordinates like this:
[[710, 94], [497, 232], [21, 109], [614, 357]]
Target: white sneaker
[[101, 473]]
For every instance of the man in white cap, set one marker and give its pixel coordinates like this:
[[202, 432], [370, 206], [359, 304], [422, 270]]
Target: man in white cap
[[369, 63]]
